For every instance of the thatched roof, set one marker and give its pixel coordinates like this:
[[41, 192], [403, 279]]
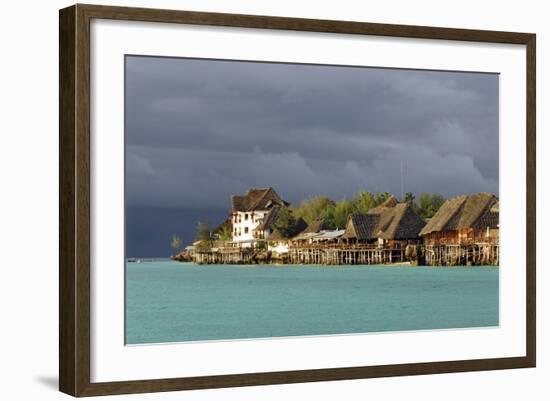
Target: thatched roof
[[256, 199], [465, 211], [304, 236], [315, 227], [301, 225], [361, 226], [271, 218], [329, 235], [490, 218], [298, 227], [390, 202], [391, 220]]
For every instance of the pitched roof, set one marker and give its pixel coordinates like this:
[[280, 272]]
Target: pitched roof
[[464, 211], [390, 202], [315, 227], [300, 225], [329, 234], [390, 220], [401, 222], [270, 220], [256, 199], [361, 226], [490, 218], [304, 237]]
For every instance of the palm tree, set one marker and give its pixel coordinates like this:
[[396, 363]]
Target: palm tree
[[175, 243], [409, 197]]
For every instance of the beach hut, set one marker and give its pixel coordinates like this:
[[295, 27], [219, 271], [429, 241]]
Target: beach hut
[[309, 232], [464, 220], [277, 241], [387, 225], [464, 230], [328, 236]]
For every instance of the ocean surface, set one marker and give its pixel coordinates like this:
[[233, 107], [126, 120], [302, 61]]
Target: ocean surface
[[170, 301]]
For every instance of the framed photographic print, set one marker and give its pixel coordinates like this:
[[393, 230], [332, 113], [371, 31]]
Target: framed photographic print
[[250, 200]]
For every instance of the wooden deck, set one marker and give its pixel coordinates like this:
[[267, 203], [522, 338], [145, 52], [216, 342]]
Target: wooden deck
[[465, 255], [355, 254], [345, 255]]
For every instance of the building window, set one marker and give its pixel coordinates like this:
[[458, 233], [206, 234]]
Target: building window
[[246, 216], [246, 230]]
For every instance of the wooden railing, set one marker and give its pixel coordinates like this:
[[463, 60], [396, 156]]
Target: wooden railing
[[346, 246], [298, 245]]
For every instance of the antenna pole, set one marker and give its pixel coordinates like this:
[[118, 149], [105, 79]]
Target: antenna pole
[[402, 195]]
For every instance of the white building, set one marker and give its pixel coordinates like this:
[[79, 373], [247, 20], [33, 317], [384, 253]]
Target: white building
[[252, 215]]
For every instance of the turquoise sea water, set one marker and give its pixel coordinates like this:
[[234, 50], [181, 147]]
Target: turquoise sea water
[[170, 301]]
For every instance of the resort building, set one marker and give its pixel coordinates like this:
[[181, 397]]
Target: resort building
[[262, 229], [465, 230], [312, 230], [388, 225], [277, 243], [253, 214], [386, 234]]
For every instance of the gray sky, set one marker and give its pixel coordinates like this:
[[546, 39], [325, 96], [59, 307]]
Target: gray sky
[[198, 131]]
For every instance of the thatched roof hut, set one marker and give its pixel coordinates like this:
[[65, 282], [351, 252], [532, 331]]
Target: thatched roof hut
[[389, 221], [477, 211], [256, 199], [315, 227], [361, 226], [270, 220]]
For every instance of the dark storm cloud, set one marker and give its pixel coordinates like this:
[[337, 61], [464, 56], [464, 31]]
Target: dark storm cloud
[[199, 130], [214, 127]]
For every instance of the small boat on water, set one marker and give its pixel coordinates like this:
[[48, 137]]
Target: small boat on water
[[134, 260]]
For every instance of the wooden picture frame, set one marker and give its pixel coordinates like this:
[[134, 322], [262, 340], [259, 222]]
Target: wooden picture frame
[[74, 203]]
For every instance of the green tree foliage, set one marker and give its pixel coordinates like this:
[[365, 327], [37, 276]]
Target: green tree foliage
[[385, 196], [336, 214], [204, 236], [286, 224], [365, 200], [175, 243], [329, 217], [316, 208], [409, 197], [226, 233], [343, 209], [428, 204]]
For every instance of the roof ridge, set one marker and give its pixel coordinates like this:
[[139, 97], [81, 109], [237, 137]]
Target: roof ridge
[[487, 204], [266, 191], [458, 209], [258, 189]]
